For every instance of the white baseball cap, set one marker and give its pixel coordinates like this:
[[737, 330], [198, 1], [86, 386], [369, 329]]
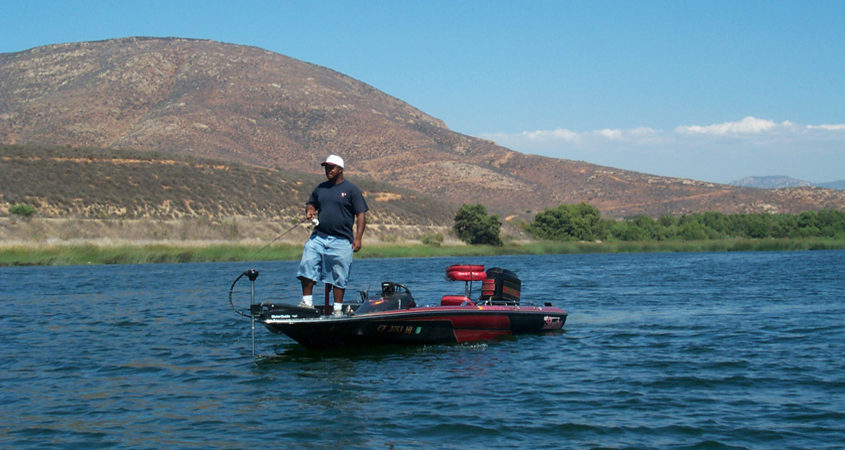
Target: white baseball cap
[[333, 160]]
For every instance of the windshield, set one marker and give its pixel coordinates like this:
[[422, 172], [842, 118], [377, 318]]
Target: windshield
[[394, 296]]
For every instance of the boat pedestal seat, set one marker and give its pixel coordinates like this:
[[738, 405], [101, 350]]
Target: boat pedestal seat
[[465, 272], [456, 300]]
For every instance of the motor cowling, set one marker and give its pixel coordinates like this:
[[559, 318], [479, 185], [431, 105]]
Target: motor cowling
[[501, 287]]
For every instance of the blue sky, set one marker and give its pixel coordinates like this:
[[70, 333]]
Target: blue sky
[[712, 90]]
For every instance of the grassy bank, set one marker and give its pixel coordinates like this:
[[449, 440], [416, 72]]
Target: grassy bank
[[56, 255]]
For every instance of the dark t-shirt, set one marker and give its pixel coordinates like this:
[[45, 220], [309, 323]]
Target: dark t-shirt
[[338, 204]]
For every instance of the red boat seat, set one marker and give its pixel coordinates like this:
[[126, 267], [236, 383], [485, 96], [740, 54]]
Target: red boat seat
[[455, 300], [465, 272]]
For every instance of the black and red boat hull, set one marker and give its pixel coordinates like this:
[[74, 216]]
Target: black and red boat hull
[[415, 326]]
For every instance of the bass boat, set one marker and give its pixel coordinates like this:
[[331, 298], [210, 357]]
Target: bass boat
[[394, 317]]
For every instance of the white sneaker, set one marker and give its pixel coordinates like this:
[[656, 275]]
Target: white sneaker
[[304, 304]]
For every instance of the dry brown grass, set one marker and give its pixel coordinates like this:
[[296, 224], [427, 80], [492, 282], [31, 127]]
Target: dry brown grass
[[121, 185], [15, 232]]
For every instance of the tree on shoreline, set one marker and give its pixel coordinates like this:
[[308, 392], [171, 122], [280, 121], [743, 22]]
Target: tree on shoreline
[[474, 226], [581, 222], [567, 223]]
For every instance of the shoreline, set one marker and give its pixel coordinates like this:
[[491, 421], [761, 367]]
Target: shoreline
[[30, 253]]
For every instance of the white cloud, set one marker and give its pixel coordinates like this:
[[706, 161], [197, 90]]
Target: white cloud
[[719, 152], [610, 134], [840, 127], [744, 126], [558, 134]]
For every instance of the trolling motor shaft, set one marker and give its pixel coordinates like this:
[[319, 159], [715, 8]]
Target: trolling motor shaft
[[254, 309], [252, 274]]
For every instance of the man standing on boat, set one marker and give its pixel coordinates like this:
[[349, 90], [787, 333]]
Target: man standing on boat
[[327, 255]]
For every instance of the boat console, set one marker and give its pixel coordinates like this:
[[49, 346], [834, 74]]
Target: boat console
[[393, 296]]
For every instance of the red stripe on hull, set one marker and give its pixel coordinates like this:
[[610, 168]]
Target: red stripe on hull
[[497, 322], [479, 335], [476, 328]]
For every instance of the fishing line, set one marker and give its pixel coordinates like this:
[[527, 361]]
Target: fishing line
[[313, 221]]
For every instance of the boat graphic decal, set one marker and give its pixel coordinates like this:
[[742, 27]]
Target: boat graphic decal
[[552, 323]]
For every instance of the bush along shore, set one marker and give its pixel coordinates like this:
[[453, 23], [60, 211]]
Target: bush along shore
[[27, 240], [80, 254]]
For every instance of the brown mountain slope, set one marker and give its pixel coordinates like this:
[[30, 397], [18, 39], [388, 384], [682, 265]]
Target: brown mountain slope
[[111, 184], [246, 104]]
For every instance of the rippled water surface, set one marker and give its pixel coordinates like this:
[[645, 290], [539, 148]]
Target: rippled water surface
[[660, 350]]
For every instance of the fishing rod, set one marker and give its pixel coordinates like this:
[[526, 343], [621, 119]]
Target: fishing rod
[[314, 221]]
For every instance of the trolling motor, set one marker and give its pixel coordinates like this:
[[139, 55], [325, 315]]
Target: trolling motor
[[252, 274], [254, 309], [267, 310]]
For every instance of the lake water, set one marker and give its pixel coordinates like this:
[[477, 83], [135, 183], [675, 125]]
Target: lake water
[[659, 350]]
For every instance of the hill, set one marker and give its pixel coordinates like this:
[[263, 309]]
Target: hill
[[779, 181], [838, 185], [136, 185], [770, 182], [248, 105]]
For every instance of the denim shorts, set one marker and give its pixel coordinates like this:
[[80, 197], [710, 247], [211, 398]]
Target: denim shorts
[[327, 259]]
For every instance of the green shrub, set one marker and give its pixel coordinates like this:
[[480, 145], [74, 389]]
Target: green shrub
[[579, 222], [432, 239], [474, 226], [22, 209]]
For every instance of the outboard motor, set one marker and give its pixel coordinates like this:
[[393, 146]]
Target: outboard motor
[[502, 287], [393, 296]]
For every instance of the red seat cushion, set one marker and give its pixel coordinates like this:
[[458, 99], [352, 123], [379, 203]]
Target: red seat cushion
[[455, 300], [465, 272]]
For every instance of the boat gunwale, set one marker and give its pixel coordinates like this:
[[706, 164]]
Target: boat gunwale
[[428, 311]]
